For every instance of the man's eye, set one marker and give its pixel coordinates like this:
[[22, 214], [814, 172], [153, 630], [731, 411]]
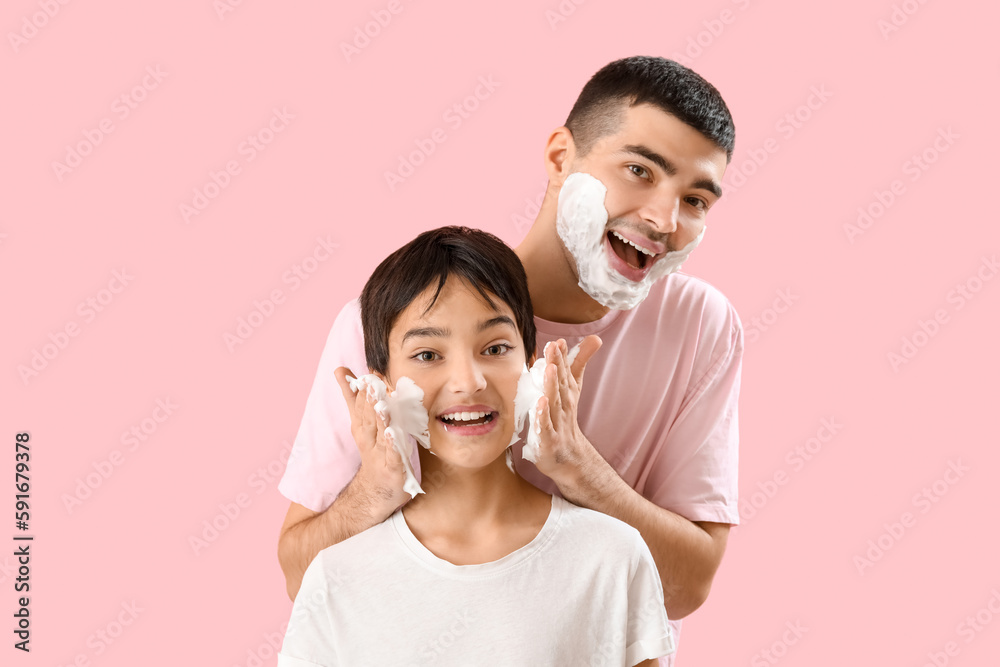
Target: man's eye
[[698, 203], [638, 171]]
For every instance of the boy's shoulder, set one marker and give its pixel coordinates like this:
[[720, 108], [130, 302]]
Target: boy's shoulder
[[587, 527]]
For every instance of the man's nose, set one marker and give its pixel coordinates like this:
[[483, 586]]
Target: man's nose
[[661, 210], [466, 376]]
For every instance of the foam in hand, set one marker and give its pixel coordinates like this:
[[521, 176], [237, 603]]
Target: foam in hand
[[530, 389], [404, 413]]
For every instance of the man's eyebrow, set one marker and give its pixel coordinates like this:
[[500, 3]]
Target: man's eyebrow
[[669, 168]]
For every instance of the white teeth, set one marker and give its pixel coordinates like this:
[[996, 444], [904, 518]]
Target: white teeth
[[464, 416], [639, 248]]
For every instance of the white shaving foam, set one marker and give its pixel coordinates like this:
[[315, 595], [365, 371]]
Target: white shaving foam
[[404, 413], [581, 221], [530, 389]]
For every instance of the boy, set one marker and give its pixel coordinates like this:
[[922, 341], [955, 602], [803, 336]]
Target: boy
[[483, 568]]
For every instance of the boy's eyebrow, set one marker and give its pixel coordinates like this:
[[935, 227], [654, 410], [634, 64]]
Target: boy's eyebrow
[[497, 321], [669, 168], [426, 332], [438, 332]]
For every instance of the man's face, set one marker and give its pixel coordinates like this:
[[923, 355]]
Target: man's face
[[467, 358], [662, 177]]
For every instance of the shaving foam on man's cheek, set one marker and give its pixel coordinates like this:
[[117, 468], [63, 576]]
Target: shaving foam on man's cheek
[[581, 222], [404, 413], [530, 389]]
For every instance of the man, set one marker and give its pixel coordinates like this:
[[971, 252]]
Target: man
[[653, 439]]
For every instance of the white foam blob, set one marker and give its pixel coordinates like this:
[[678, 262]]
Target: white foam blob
[[530, 389], [581, 222], [404, 413]]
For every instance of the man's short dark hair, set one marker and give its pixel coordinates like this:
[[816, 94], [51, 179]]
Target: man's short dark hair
[[675, 89], [480, 258]]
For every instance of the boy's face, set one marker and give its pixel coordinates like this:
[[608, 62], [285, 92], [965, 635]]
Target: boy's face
[[467, 358], [662, 177]]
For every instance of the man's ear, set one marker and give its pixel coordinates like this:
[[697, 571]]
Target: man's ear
[[560, 151]]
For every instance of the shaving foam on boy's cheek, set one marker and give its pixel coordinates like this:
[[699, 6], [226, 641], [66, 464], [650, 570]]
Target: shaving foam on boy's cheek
[[530, 389], [581, 221], [404, 413]]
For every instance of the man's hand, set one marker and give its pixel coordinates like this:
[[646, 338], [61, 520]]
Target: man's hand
[[382, 474], [565, 455]]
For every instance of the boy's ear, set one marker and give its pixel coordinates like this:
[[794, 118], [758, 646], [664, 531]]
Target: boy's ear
[[383, 378]]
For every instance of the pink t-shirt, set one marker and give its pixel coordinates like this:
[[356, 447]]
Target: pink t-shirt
[[659, 402]]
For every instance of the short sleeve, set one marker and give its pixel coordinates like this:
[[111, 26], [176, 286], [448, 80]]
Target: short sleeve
[[649, 634], [702, 485], [324, 456], [309, 638]]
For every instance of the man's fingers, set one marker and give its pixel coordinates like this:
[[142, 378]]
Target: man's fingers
[[588, 346], [552, 389]]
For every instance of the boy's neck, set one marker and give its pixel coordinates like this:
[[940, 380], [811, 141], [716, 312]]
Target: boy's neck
[[474, 516]]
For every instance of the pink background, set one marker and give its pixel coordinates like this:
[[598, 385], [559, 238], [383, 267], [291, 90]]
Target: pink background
[[782, 228]]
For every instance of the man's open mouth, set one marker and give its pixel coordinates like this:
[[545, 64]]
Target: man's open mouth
[[629, 252]]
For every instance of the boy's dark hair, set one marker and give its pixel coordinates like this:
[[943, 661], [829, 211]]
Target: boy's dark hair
[[478, 257], [675, 89]]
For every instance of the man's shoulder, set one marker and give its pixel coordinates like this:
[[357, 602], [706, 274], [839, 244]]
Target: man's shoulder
[[688, 302]]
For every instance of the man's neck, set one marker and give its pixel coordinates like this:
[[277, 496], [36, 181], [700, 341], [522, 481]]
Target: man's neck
[[555, 291]]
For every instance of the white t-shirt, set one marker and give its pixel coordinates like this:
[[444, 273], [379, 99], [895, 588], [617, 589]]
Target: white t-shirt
[[584, 591]]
